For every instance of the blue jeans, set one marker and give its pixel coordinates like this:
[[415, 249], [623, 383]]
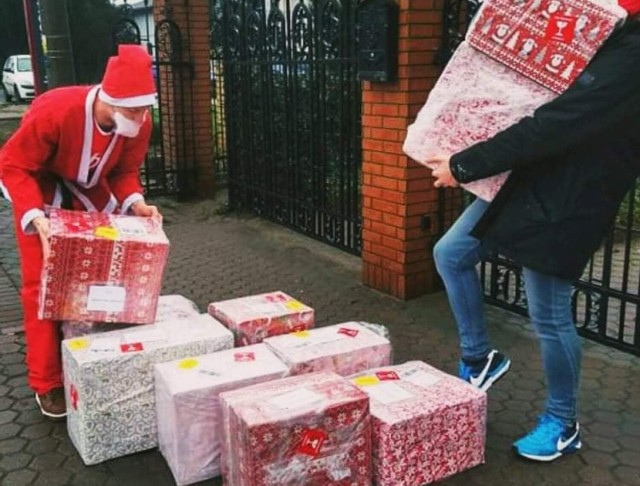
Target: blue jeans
[[549, 300]]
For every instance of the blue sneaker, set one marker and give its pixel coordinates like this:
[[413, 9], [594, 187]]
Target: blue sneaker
[[550, 439], [483, 376]]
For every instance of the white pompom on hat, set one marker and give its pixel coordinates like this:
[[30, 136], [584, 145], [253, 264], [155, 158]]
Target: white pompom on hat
[[128, 79]]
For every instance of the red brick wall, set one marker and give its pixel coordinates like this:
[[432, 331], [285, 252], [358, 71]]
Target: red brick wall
[[192, 18], [397, 192]]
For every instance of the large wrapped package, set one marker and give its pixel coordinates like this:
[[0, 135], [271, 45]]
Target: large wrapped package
[[188, 407], [170, 308], [426, 425], [256, 317], [109, 382], [307, 430], [345, 349], [103, 268], [516, 57]]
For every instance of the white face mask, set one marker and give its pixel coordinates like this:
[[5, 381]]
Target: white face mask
[[124, 126]]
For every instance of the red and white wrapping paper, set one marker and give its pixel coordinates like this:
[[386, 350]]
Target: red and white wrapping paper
[[253, 318], [171, 308], [307, 430], [345, 349], [426, 425], [188, 407], [501, 74], [103, 268]]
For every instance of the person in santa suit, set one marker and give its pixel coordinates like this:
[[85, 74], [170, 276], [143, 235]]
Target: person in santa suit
[[572, 162], [80, 148]]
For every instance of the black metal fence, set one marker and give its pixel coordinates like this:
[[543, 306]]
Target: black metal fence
[[291, 102], [607, 297], [169, 168]]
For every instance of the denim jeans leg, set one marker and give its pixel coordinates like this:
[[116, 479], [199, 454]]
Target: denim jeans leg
[[456, 256], [549, 300]]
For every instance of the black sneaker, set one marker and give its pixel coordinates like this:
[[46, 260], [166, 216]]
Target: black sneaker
[[494, 367]]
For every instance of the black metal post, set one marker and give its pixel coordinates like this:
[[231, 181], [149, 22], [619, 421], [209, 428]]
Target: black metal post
[[55, 27]]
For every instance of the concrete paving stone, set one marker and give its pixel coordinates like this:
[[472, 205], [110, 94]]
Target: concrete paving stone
[[36, 431], [629, 458], [11, 358], [21, 392], [11, 462], [7, 416], [22, 404], [44, 445], [12, 444], [597, 458], [15, 370], [47, 461], [53, 477], [9, 431], [22, 477], [627, 475], [30, 417]]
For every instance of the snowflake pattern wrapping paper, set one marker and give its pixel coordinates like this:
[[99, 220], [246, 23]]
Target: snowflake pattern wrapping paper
[[188, 407], [500, 75], [345, 349], [256, 317], [307, 430], [426, 425], [109, 382], [170, 308], [103, 268]]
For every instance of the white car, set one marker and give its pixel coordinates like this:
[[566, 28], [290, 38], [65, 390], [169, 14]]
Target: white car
[[17, 78]]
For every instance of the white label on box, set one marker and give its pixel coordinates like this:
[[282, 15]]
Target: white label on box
[[296, 399], [317, 336], [106, 298], [105, 344], [144, 336], [421, 378], [270, 309], [131, 226], [387, 393]]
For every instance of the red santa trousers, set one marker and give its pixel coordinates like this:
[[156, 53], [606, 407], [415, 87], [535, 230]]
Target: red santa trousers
[[44, 363]]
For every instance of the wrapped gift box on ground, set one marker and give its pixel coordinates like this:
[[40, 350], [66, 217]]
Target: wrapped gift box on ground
[[345, 349], [109, 382], [504, 71], [427, 425], [188, 408], [256, 317], [170, 308], [103, 267], [311, 430]]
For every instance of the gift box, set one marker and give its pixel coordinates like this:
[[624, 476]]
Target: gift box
[[256, 317], [345, 349], [426, 425], [500, 75], [109, 382], [170, 308], [188, 408], [103, 268], [311, 429]]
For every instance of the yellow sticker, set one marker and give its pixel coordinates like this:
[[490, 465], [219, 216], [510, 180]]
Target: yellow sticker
[[294, 305], [301, 334], [108, 232], [78, 344], [188, 363], [366, 380]]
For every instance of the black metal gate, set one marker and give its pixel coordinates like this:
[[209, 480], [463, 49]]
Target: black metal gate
[[292, 111], [169, 168], [607, 297]]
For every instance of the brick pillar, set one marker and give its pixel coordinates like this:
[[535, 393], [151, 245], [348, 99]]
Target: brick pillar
[[193, 130], [400, 203]]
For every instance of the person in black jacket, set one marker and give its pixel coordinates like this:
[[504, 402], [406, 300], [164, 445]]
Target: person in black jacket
[[572, 163]]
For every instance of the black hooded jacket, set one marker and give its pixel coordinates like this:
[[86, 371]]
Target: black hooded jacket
[[573, 161]]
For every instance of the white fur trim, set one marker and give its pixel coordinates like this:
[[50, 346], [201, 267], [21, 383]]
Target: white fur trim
[[28, 217], [130, 201], [132, 102], [5, 192], [111, 206]]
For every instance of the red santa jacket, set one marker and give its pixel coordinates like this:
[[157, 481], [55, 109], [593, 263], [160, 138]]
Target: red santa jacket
[[53, 146]]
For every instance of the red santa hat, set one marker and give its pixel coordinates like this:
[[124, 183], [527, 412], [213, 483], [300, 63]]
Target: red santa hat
[[128, 80], [631, 6]]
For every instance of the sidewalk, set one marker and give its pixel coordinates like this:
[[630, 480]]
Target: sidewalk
[[216, 256]]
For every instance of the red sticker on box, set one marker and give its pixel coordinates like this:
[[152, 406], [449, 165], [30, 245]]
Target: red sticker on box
[[131, 347], [246, 356], [73, 395], [561, 28], [387, 375], [311, 442], [348, 332]]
